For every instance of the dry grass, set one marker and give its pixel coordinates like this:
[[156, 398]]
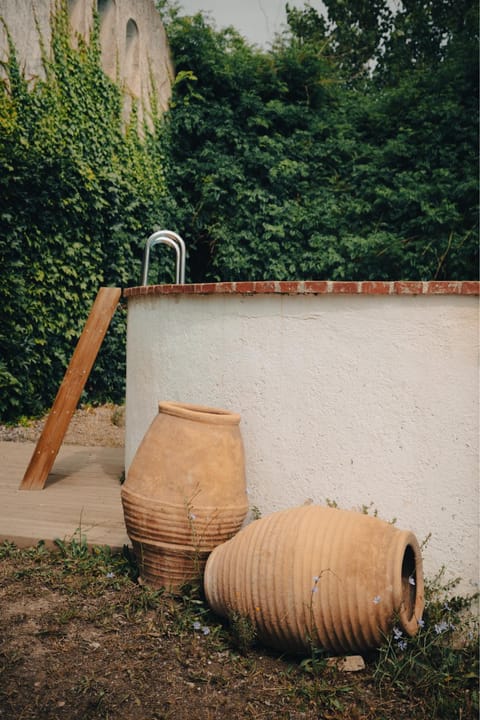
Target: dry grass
[[81, 639]]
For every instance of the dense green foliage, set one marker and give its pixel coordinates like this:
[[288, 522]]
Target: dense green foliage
[[304, 162], [78, 196], [349, 150]]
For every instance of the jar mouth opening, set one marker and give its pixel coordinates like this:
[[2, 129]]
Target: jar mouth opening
[[199, 413], [409, 580], [411, 588]]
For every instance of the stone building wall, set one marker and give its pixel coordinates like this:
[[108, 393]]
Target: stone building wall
[[133, 42]]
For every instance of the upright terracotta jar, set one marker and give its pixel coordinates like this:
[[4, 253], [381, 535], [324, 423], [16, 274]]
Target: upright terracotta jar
[[185, 492], [317, 576]]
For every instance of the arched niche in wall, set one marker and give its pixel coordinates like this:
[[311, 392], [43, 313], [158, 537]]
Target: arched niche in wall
[[132, 58], [107, 12]]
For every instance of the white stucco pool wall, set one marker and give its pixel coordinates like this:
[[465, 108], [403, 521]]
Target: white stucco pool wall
[[364, 397]]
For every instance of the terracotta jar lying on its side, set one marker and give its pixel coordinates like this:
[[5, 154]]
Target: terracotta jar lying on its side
[[319, 577], [185, 492]]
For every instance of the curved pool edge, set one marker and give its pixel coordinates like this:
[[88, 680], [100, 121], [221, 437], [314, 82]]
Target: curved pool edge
[[313, 287]]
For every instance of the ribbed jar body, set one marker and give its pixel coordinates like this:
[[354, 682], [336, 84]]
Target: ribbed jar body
[[185, 492], [319, 577]]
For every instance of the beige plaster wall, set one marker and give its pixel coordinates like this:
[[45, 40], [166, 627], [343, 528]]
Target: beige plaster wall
[[133, 41], [361, 399]]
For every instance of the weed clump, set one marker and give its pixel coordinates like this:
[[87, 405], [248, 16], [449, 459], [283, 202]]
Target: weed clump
[[439, 665]]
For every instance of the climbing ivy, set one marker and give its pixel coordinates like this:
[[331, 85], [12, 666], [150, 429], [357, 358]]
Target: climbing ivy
[[80, 192]]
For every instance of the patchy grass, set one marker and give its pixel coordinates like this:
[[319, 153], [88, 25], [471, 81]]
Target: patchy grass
[[82, 639]]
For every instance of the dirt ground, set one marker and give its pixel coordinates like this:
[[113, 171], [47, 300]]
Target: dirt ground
[[103, 425], [82, 639]]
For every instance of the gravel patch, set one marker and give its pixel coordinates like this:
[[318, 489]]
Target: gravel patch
[[90, 426]]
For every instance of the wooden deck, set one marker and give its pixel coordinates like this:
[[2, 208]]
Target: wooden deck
[[81, 494]]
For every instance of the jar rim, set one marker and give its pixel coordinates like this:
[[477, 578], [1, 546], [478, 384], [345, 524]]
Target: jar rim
[[409, 583], [198, 413]]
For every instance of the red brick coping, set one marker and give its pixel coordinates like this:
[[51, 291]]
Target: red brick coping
[[313, 287]]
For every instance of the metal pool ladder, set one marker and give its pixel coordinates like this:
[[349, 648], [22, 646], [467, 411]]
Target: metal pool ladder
[[165, 237]]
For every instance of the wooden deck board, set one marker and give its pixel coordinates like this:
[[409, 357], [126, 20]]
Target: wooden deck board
[[82, 493]]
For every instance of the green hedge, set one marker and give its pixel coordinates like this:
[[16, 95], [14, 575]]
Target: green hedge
[[298, 164], [80, 193]]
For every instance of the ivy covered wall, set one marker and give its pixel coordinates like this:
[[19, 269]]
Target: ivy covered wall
[[80, 193], [133, 43]]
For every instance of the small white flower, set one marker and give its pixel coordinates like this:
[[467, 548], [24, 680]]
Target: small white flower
[[441, 627]]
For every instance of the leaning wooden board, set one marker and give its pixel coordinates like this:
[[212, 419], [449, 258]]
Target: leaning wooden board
[[71, 388]]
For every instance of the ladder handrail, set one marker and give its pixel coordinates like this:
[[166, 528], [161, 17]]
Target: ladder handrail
[[166, 237]]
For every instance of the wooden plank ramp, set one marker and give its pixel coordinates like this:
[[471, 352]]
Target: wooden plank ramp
[[71, 388], [81, 494]]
